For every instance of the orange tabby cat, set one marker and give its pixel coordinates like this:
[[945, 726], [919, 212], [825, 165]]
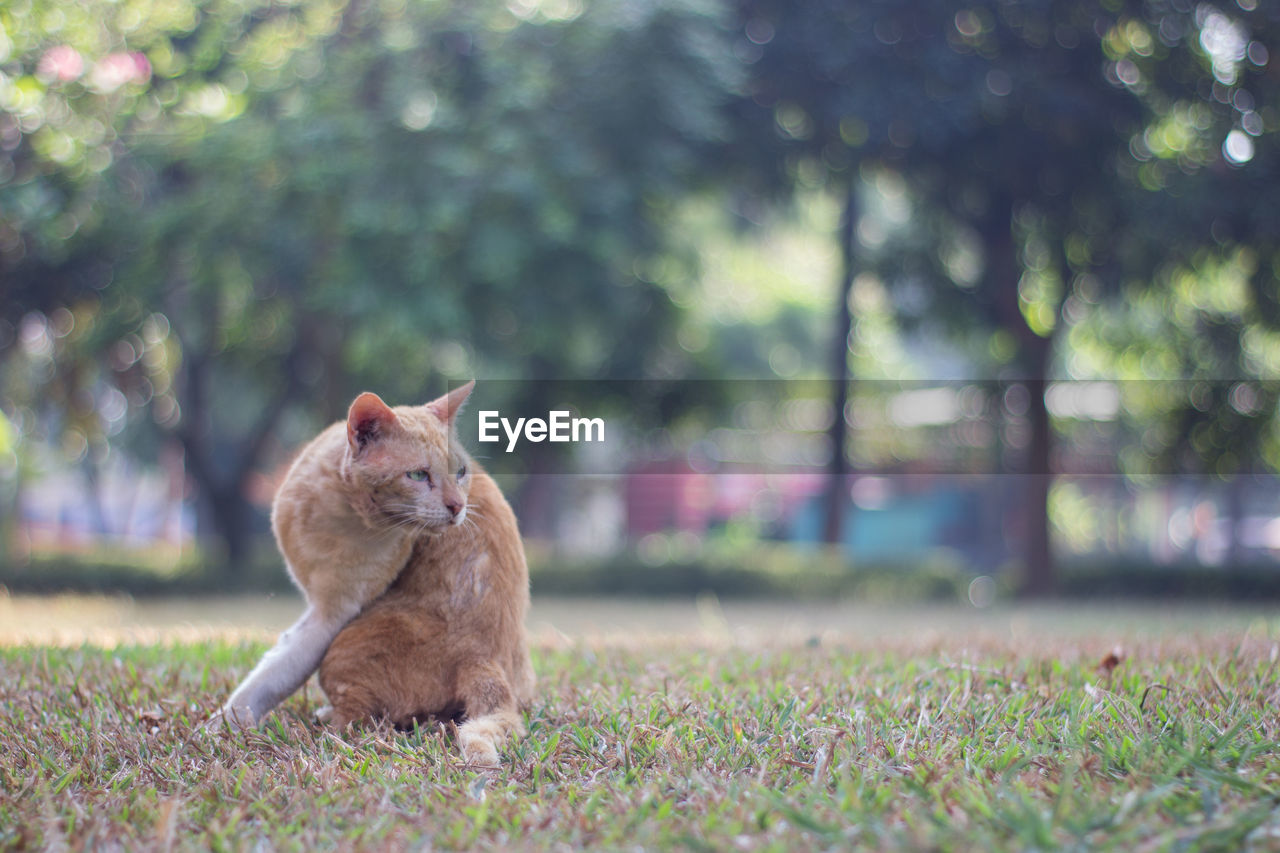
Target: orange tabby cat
[[392, 496]]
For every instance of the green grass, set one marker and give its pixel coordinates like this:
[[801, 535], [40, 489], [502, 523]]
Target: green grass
[[967, 746]]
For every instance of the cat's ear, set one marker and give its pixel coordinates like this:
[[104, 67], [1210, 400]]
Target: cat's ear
[[368, 420], [446, 408]]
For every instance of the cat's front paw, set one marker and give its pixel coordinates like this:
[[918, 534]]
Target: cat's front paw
[[323, 715], [478, 750], [236, 718]]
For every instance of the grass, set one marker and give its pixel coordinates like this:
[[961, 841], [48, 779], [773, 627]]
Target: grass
[[959, 743]]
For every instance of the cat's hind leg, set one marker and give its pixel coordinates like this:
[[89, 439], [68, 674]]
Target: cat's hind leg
[[351, 677], [380, 667], [491, 710]]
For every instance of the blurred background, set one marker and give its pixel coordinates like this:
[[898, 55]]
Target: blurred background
[[878, 298]]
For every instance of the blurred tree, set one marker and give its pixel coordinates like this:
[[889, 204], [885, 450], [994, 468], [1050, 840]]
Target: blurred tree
[[1201, 329], [232, 214], [997, 114], [1013, 123], [78, 82], [435, 191], [848, 85]]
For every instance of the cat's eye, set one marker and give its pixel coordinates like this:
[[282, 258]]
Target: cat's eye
[[462, 472], [420, 474]]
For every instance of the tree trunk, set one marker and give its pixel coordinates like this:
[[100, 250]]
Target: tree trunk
[[232, 515], [13, 546], [1005, 270], [836, 495], [1039, 574], [222, 471], [1235, 510], [91, 471], [536, 500]]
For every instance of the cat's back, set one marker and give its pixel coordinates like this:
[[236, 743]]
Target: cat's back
[[322, 456], [510, 575], [502, 534], [314, 469], [308, 513]]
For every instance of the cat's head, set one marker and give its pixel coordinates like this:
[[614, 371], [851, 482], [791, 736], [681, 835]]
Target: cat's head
[[405, 466]]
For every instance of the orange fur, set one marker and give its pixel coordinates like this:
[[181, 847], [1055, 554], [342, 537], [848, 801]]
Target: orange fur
[[386, 520], [447, 639]]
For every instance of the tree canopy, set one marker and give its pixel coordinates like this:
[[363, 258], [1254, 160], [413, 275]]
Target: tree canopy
[[219, 219]]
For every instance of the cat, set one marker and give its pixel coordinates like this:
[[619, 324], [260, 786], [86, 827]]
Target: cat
[[414, 576]]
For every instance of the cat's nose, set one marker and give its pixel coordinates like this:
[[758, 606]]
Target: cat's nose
[[454, 508]]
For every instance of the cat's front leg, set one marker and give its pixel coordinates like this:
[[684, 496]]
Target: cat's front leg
[[284, 668]]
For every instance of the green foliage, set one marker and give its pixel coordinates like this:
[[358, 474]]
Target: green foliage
[[775, 572], [80, 81], [1048, 160], [384, 196], [221, 218], [736, 571], [466, 197], [758, 571], [134, 573], [1111, 580]]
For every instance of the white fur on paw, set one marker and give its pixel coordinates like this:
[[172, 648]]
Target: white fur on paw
[[222, 720], [236, 718], [478, 751], [323, 715]]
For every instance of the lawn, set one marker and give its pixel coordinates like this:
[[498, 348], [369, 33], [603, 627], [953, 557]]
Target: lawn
[[716, 738]]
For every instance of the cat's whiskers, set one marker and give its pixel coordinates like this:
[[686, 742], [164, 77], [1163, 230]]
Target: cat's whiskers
[[405, 516]]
